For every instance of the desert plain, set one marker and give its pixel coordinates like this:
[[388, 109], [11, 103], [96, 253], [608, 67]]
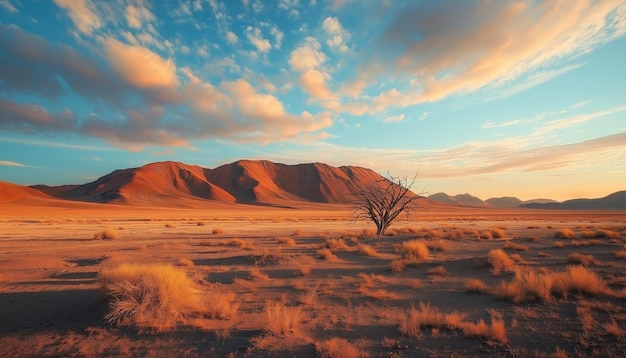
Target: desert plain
[[308, 280]]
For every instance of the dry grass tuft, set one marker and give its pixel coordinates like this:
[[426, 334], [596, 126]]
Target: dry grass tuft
[[475, 285], [217, 230], [614, 329], [497, 232], [414, 250], [326, 254], [256, 273], [564, 234], [170, 226], [200, 223], [336, 244], [183, 261], [559, 244], [621, 254], [153, 296], [285, 240], [242, 244], [609, 234], [282, 319], [367, 250], [499, 260], [515, 247], [438, 245], [437, 271], [106, 234], [338, 348], [582, 259], [397, 265]]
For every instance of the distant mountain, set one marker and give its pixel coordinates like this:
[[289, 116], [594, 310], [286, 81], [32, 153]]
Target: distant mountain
[[461, 199], [615, 201], [17, 193], [504, 202], [244, 181]]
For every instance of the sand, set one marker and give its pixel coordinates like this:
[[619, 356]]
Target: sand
[[51, 302]]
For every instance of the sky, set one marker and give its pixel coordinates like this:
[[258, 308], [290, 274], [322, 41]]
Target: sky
[[492, 98]]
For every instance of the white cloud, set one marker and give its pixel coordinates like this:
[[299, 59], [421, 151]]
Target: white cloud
[[82, 13], [256, 38], [231, 37], [308, 56], [8, 163], [337, 35], [8, 6]]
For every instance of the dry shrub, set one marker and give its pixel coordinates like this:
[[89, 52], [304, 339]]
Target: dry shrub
[[217, 230], [529, 285], [497, 232], [437, 271], [368, 233], [256, 273], [475, 285], [621, 254], [326, 254], [285, 240], [242, 244], [486, 235], [426, 316], [414, 249], [106, 234], [515, 247], [367, 250], [154, 296], [559, 244], [614, 329], [499, 260], [338, 348], [336, 244], [438, 245], [564, 234], [170, 226], [183, 261], [305, 270], [397, 265], [200, 223], [587, 234], [582, 259], [378, 294], [282, 319], [609, 234]]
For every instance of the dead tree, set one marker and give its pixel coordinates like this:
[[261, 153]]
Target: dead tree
[[384, 200]]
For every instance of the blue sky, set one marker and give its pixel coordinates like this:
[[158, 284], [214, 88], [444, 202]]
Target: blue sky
[[522, 98]]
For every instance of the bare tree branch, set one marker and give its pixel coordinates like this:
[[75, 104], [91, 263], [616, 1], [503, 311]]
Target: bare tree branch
[[384, 200]]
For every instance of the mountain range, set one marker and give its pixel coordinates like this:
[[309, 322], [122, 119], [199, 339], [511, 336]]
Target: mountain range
[[258, 182]]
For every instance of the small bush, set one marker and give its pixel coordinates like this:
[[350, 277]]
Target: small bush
[[285, 240], [564, 234], [256, 273], [438, 245], [414, 249], [559, 244], [185, 262], [437, 271], [614, 329], [582, 259], [217, 230], [336, 244], [397, 265], [338, 348], [497, 232], [486, 235], [499, 260], [170, 226], [326, 254], [515, 247], [282, 319], [106, 234], [609, 234], [621, 254], [200, 223], [475, 285], [367, 250]]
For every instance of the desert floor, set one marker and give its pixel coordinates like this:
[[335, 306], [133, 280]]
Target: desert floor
[[330, 275]]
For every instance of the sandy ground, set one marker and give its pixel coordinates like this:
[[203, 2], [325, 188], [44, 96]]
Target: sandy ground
[[51, 303]]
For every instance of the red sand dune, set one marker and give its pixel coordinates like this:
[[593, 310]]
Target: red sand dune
[[13, 193]]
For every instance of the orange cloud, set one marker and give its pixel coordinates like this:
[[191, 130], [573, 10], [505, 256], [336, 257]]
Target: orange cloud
[[82, 14]]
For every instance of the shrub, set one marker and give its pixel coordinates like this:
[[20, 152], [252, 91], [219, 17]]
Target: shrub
[[564, 234], [559, 244], [336, 244], [582, 259], [609, 234], [438, 245], [397, 265], [437, 271], [258, 274], [200, 223], [150, 296], [614, 329], [338, 348], [486, 235], [106, 234], [285, 240], [185, 262], [621, 254], [367, 250], [499, 260], [414, 249], [282, 319], [218, 230], [496, 232], [326, 254], [515, 247], [475, 285]]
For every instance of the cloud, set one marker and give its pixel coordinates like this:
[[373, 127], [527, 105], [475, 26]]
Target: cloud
[[308, 56], [337, 35], [232, 38], [314, 83], [82, 13], [136, 16], [391, 119], [8, 163], [6, 5], [445, 48], [32, 118], [256, 38]]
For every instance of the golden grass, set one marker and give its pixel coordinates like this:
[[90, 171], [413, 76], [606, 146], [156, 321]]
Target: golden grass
[[151, 296], [497, 232], [515, 247], [559, 244], [564, 234], [530, 285], [475, 285], [438, 245], [397, 265], [366, 250], [326, 254], [217, 230], [414, 249], [378, 294], [285, 240], [242, 244], [437, 271], [621, 254], [499, 260], [183, 261], [582, 259], [336, 244], [256, 273], [106, 234], [282, 319], [486, 235], [614, 329], [338, 348], [426, 316], [200, 223]]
